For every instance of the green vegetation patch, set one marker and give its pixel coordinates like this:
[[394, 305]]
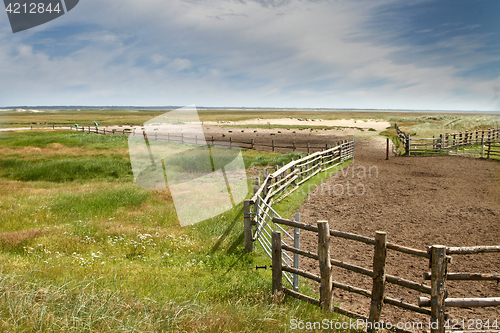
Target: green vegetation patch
[[101, 203], [42, 139], [66, 169]]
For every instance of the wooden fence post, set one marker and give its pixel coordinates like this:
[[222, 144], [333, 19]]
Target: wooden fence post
[[378, 289], [325, 267], [308, 150], [438, 287], [408, 145], [182, 137], [253, 143], [230, 142], [277, 285], [482, 147], [273, 145], [387, 150], [264, 190], [296, 256], [257, 185], [294, 146], [247, 225], [489, 149]]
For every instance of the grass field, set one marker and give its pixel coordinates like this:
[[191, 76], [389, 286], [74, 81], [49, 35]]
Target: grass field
[[84, 249]]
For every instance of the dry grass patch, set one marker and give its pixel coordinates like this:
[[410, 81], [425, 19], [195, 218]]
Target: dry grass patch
[[15, 239]]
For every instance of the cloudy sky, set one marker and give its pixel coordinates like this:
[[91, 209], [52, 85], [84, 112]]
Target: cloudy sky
[[385, 54]]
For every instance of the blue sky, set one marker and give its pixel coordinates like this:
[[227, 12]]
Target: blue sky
[[377, 54]]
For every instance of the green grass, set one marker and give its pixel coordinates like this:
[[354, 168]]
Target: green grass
[[103, 203], [83, 250], [66, 169], [42, 139]]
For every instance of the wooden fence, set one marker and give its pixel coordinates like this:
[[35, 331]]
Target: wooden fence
[[278, 185], [227, 142], [482, 143], [439, 257]]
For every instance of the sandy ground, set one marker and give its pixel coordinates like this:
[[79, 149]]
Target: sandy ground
[[378, 125], [418, 201]]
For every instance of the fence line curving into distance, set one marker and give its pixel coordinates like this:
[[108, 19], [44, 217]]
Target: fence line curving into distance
[[278, 185]]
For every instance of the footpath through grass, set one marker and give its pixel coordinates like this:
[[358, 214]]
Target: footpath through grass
[[84, 249]]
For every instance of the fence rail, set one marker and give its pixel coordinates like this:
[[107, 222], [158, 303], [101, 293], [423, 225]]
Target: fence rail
[[227, 142], [437, 255], [481, 143], [275, 187]]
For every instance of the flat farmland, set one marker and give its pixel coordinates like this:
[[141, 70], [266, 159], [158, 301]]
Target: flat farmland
[[73, 218]]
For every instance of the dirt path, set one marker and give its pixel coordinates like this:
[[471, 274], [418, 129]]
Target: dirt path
[[418, 201]]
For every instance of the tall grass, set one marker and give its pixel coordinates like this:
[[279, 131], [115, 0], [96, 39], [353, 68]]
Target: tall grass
[[66, 169]]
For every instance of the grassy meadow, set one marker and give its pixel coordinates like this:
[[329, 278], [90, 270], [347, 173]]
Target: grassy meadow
[[84, 249]]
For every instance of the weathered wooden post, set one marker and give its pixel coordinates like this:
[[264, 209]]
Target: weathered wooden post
[[230, 142], [277, 285], [253, 143], [273, 145], [387, 150], [325, 267], [182, 137], [293, 146], [408, 145], [482, 147], [438, 287], [378, 288], [308, 150], [489, 149], [296, 257], [247, 225]]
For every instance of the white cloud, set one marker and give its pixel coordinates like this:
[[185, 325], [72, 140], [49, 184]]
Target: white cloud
[[233, 53]]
